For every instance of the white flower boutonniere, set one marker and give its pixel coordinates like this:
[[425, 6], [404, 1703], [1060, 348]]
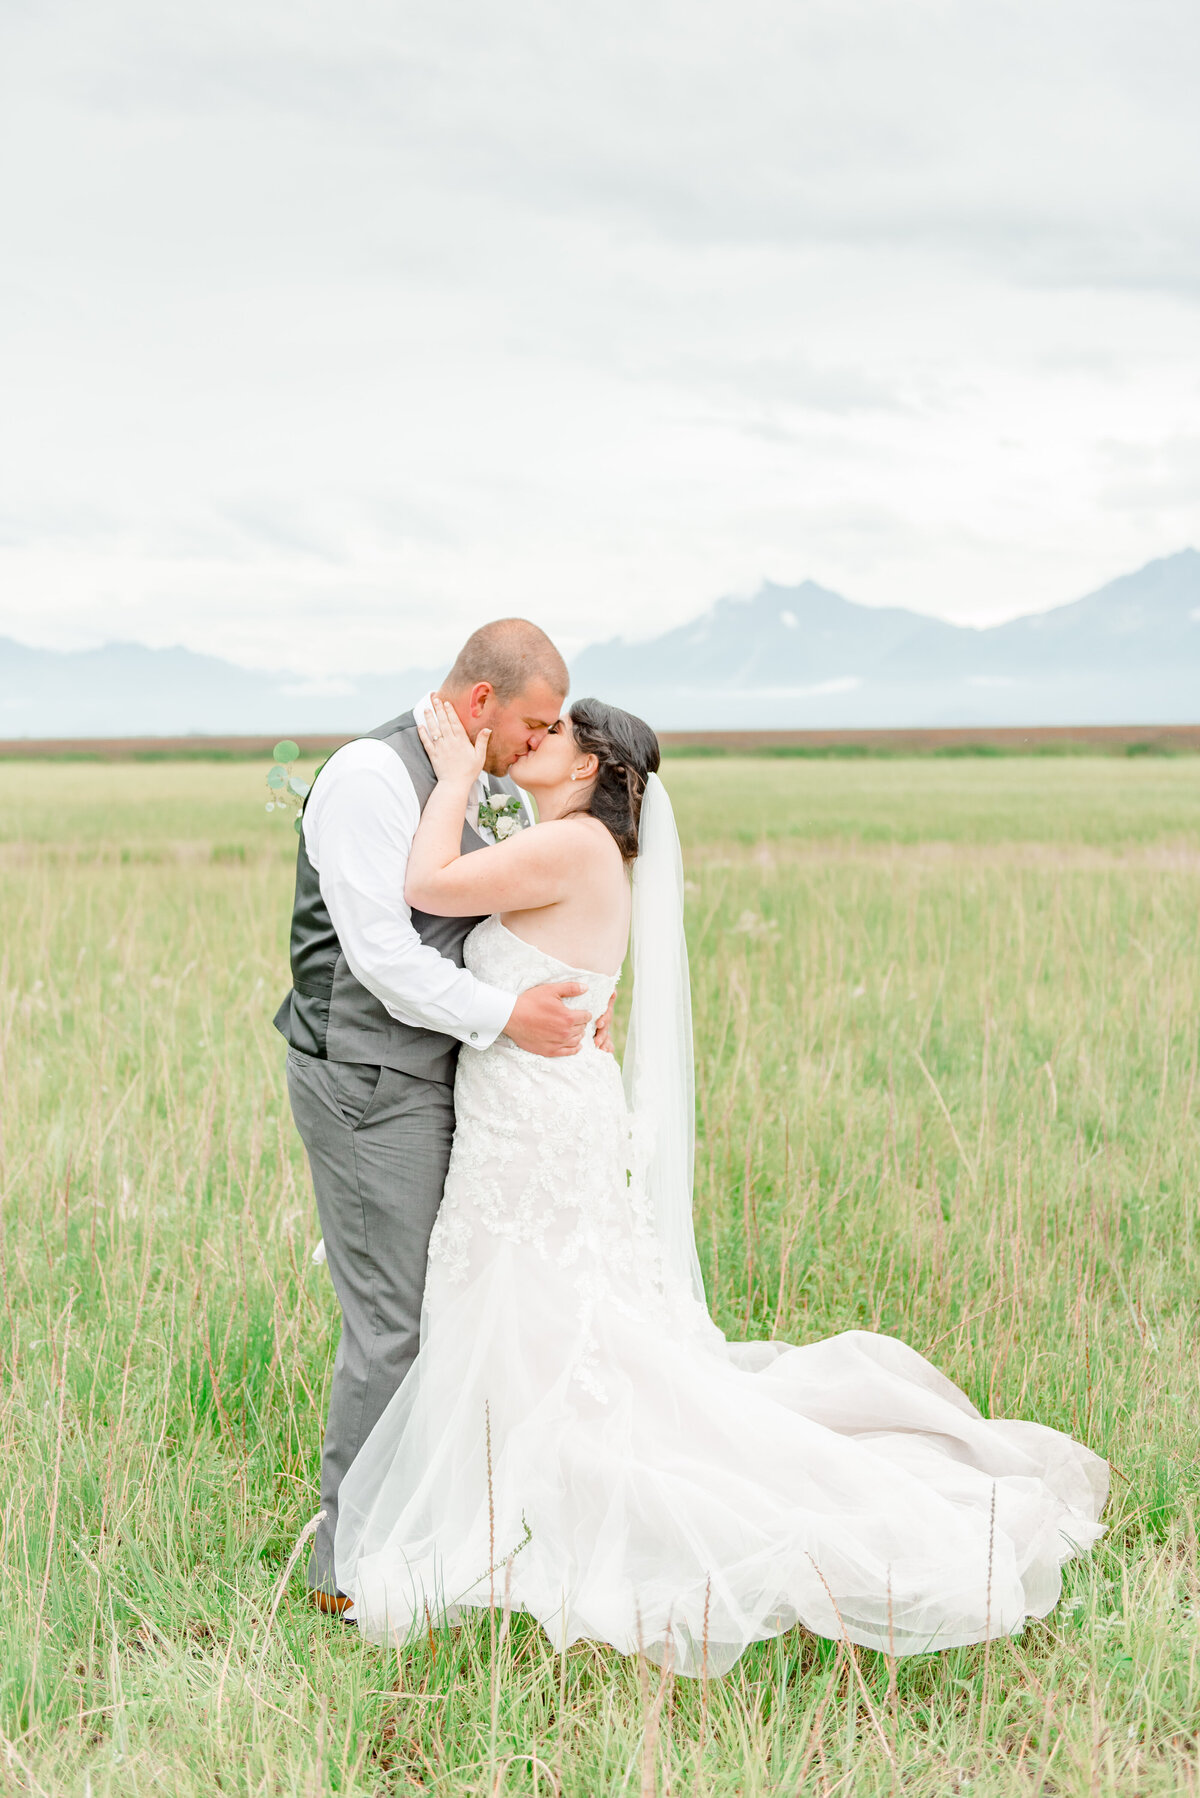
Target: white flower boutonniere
[[501, 814]]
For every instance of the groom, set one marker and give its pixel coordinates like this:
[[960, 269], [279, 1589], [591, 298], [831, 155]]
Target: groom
[[380, 1003]]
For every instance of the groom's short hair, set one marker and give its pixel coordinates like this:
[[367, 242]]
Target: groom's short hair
[[508, 653]]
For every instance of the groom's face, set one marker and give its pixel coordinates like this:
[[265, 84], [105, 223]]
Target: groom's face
[[518, 725]]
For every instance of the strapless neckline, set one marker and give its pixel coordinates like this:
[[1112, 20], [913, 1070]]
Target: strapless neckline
[[569, 967], [498, 955]]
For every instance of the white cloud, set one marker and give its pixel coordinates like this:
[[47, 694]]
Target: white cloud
[[848, 683], [329, 331], [334, 688]]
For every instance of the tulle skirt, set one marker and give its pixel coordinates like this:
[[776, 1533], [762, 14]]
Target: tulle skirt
[[664, 1490]]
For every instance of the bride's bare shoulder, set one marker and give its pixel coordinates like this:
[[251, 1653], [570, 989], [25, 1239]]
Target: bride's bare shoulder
[[586, 830], [582, 842]]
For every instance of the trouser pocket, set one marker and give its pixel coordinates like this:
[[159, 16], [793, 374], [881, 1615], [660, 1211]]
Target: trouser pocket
[[355, 1085]]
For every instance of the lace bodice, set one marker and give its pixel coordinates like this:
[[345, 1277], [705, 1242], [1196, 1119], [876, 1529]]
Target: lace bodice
[[494, 954], [542, 1155]]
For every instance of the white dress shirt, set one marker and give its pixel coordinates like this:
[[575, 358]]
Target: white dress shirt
[[359, 824]]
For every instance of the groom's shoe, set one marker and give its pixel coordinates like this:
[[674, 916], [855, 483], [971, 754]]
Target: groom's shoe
[[332, 1603]]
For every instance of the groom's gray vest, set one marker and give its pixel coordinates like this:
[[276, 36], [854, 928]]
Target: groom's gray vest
[[328, 1013]]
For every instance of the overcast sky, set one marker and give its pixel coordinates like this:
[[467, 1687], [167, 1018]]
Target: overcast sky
[[329, 330]]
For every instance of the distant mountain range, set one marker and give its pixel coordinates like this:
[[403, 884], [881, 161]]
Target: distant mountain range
[[802, 657], [790, 658]]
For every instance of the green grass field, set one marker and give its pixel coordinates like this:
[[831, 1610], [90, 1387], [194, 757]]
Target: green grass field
[[947, 1025]]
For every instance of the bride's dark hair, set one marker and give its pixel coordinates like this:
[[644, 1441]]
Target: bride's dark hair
[[627, 751]]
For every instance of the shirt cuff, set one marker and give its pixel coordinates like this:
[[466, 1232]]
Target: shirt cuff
[[489, 1014]]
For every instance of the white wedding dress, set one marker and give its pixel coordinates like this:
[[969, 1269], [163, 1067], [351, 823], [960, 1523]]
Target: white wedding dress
[[578, 1431]]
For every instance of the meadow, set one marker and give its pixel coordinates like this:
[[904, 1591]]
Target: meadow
[[948, 1044]]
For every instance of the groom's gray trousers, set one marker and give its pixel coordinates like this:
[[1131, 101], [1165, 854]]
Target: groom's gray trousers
[[378, 1144], [373, 1100]]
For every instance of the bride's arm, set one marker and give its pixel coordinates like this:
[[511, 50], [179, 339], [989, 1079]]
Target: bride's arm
[[530, 869]]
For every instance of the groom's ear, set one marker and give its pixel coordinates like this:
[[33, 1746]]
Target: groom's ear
[[478, 697]]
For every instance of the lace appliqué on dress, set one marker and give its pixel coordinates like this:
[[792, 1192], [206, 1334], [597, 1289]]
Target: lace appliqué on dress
[[543, 1156]]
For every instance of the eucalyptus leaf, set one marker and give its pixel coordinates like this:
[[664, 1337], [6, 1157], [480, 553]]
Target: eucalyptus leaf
[[287, 751], [297, 826], [297, 786], [276, 777]]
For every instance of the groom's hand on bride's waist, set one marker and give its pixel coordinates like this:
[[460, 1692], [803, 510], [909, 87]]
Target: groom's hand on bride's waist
[[541, 1023], [604, 1028]]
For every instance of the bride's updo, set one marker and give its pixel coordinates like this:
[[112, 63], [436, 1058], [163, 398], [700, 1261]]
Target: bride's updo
[[627, 751]]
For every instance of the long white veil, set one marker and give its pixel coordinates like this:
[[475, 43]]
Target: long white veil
[[658, 1071]]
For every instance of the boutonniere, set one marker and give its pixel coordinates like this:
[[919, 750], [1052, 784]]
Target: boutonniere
[[501, 814]]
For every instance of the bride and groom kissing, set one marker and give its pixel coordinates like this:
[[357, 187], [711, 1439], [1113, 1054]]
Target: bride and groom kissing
[[497, 1193]]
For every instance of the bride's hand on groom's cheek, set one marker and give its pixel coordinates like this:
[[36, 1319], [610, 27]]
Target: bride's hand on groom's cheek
[[449, 748]]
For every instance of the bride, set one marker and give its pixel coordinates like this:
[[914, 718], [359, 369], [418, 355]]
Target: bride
[[576, 1431]]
